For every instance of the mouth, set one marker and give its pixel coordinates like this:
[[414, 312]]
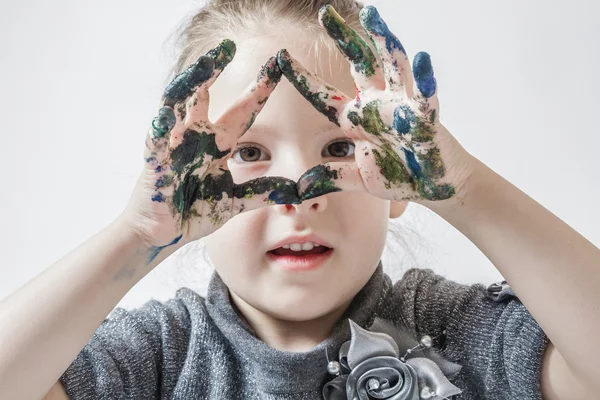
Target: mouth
[[299, 260]]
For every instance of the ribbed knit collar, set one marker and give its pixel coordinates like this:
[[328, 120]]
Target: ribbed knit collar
[[277, 371]]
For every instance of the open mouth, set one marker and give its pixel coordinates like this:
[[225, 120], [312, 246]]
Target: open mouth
[[299, 253]]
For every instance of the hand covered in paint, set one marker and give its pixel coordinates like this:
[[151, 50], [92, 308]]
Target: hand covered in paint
[[186, 190], [402, 150]]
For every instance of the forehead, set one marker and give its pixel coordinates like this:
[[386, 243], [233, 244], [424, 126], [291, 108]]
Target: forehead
[[252, 52]]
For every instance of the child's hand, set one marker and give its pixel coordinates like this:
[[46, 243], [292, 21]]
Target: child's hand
[[402, 150], [186, 191]]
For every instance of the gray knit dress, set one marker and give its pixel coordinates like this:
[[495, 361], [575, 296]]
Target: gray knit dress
[[191, 347]]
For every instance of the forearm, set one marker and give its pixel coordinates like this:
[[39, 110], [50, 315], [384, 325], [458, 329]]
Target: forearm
[[46, 323], [553, 269]]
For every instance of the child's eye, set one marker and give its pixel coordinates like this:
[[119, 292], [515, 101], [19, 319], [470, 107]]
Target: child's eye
[[342, 148], [249, 154]]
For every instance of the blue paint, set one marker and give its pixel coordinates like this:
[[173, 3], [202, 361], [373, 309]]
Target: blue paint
[[158, 197], [160, 182], [374, 23], [403, 124], [158, 169], [154, 250], [423, 72], [412, 163]]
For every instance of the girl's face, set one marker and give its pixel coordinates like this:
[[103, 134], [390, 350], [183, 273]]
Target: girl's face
[[287, 138]]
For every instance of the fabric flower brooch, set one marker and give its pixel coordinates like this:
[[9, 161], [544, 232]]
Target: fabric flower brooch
[[370, 367]]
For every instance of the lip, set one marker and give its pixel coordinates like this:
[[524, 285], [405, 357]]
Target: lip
[[299, 263], [300, 239]]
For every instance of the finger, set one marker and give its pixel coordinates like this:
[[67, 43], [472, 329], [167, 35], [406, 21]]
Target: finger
[[241, 115], [184, 84], [195, 81], [391, 52], [157, 139], [329, 178], [328, 100], [264, 191], [423, 74], [366, 72]]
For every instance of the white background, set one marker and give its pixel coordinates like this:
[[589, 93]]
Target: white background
[[80, 82]]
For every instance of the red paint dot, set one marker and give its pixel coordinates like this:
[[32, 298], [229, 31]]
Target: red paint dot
[[357, 92], [336, 97]]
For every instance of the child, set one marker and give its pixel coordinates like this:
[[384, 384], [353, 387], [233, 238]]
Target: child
[[293, 195]]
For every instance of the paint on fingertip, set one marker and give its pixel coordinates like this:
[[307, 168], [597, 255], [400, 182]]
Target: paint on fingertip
[[423, 73], [271, 70], [372, 20], [318, 181], [154, 250], [163, 122], [222, 54], [349, 42], [184, 84]]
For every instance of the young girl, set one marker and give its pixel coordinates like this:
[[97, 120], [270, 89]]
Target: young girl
[[292, 186]]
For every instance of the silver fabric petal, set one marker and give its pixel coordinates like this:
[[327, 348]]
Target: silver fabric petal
[[365, 344], [429, 374]]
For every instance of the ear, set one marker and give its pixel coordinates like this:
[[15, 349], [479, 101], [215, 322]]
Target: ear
[[397, 208]]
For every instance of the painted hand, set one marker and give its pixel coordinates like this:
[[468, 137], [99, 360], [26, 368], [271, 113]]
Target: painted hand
[[186, 191], [402, 150]]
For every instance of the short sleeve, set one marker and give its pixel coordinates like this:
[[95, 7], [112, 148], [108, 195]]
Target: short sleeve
[[134, 354], [486, 330]]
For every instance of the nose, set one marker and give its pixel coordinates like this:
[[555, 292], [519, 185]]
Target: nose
[[315, 205]]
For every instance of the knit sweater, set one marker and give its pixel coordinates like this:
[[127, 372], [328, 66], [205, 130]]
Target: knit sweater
[[191, 347]]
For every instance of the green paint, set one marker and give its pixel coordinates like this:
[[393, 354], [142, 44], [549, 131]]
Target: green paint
[[431, 164], [422, 131], [252, 119], [391, 166], [350, 43], [184, 84], [371, 119], [222, 54], [301, 84], [271, 70], [163, 122], [317, 181], [194, 147]]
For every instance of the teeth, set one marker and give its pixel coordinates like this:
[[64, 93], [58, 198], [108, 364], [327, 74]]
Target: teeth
[[306, 246]]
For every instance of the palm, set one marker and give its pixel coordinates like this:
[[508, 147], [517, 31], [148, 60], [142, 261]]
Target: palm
[[186, 191], [402, 150]]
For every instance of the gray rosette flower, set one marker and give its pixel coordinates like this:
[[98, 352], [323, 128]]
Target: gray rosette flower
[[371, 367]]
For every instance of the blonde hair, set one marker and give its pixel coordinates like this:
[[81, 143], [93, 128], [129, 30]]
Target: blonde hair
[[220, 19]]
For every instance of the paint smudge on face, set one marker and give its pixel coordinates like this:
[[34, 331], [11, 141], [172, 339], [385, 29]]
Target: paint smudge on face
[[371, 120], [375, 24], [318, 181], [184, 84], [301, 84], [391, 166], [349, 42], [423, 73], [154, 250]]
